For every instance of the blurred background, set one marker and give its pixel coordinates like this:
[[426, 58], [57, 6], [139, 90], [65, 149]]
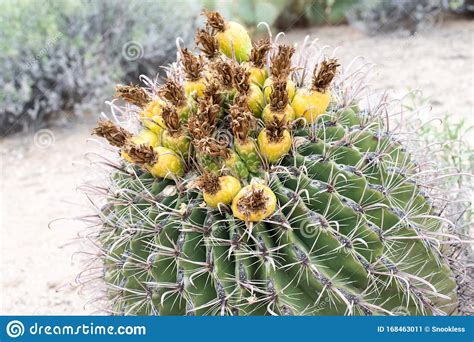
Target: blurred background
[[60, 60]]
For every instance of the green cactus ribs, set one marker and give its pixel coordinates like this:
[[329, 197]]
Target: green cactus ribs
[[248, 190]]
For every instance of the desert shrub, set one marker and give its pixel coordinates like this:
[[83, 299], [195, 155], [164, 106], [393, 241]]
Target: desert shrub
[[381, 16], [58, 58]]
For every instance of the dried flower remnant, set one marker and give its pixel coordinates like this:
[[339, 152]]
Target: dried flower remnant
[[133, 94], [115, 135]]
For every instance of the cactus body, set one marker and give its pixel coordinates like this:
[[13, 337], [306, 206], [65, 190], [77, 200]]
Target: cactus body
[[348, 230], [329, 221]]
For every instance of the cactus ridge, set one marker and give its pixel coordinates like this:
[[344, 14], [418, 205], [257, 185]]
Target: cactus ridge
[[355, 231]]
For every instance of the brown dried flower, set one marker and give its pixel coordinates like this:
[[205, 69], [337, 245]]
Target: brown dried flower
[[259, 52], [115, 135], [207, 43], [323, 74], [280, 65], [133, 94]]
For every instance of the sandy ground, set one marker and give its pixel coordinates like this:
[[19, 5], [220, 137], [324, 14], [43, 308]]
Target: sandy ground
[[39, 180], [39, 185]]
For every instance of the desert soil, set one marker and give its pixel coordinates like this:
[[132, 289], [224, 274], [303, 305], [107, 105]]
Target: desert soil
[[38, 183]]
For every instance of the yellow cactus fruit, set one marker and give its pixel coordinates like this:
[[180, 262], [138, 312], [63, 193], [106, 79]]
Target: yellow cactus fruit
[[145, 137], [268, 89], [280, 68], [151, 118], [310, 103], [193, 67], [175, 136], [218, 190], [120, 137], [173, 92], [160, 161], [254, 203], [195, 87], [278, 106], [255, 100], [232, 37], [274, 141], [167, 164], [258, 76], [153, 108]]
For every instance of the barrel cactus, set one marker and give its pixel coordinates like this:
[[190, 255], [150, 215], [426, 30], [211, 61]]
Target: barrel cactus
[[250, 185]]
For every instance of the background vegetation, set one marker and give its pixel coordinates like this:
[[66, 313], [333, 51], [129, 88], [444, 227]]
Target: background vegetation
[[59, 59]]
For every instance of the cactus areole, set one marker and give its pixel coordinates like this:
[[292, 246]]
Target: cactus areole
[[309, 209]]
